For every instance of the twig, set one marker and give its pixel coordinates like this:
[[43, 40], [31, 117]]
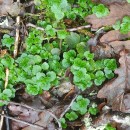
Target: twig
[[34, 15], [78, 28], [59, 124], [5, 85], [34, 26], [20, 104], [1, 121], [26, 106], [67, 109], [6, 78], [20, 121], [60, 44], [70, 30], [17, 35]]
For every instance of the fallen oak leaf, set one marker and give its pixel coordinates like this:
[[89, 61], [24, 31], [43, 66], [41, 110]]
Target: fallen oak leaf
[[113, 35], [114, 90], [117, 12]]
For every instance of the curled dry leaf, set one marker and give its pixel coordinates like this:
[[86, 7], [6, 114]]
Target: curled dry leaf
[[114, 91], [113, 35], [117, 12]]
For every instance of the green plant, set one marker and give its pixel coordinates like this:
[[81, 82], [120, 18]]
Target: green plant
[[71, 116], [86, 70], [60, 9], [79, 107], [109, 127], [128, 1], [93, 110], [63, 122], [7, 41], [41, 68], [7, 94], [83, 9], [124, 27], [100, 10]]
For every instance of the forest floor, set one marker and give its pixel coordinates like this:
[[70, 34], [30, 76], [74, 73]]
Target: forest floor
[[65, 65]]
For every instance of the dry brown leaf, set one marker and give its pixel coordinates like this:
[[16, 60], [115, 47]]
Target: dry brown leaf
[[119, 45], [63, 88], [108, 2], [104, 51], [117, 12], [115, 89], [126, 104], [46, 119], [24, 114], [7, 6], [113, 35]]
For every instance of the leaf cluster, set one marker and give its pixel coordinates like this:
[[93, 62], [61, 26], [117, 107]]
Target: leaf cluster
[[7, 41], [42, 65], [109, 127], [9, 91], [100, 10], [60, 9], [123, 26], [86, 70], [78, 108]]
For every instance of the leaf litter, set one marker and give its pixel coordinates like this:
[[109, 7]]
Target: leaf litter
[[45, 110]]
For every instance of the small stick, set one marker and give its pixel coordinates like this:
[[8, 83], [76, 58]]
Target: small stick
[[17, 35], [34, 26], [68, 108], [7, 77], [1, 121], [5, 85], [78, 28], [60, 127], [20, 121], [70, 30]]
